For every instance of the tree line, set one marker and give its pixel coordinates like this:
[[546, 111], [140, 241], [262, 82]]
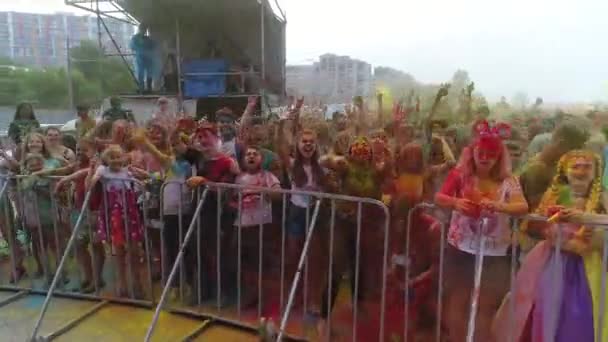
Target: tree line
[[93, 76]]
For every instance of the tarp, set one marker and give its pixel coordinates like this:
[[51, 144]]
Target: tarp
[[233, 26]]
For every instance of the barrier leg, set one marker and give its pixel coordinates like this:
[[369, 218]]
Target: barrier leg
[[296, 279], [355, 294], [477, 281], [64, 258], [175, 266]]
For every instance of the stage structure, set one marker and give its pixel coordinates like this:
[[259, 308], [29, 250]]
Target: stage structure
[[213, 51]]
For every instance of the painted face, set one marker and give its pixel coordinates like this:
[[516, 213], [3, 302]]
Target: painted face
[[53, 137], [253, 160], [35, 165], [307, 145], [35, 145], [485, 159], [156, 135], [361, 151], [580, 172]]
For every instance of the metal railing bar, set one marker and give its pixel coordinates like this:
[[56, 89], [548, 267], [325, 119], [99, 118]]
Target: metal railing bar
[[62, 263], [294, 286], [175, 266], [74, 322]]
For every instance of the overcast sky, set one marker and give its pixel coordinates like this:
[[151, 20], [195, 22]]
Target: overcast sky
[[555, 49]]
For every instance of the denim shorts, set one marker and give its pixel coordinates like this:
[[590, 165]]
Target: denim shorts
[[296, 221]]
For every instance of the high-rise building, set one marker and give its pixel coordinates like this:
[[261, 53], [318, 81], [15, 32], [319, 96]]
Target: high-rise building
[[41, 39], [333, 79]]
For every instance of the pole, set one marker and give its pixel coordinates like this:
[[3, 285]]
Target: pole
[[69, 73], [263, 50], [178, 62], [99, 38]]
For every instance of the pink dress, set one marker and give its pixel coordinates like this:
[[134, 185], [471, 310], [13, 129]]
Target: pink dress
[[119, 206]]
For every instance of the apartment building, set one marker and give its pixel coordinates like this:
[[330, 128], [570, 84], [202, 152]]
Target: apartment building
[[41, 39], [333, 79]]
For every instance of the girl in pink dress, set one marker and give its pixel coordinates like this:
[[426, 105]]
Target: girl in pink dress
[[119, 221]]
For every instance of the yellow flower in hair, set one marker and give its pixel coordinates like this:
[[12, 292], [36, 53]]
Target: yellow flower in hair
[[361, 149]]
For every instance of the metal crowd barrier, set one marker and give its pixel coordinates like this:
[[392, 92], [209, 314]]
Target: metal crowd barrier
[[248, 317], [125, 188], [321, 218]]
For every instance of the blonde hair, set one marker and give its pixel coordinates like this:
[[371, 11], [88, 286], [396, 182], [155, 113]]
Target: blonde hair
[[28, 138], [105, 156]]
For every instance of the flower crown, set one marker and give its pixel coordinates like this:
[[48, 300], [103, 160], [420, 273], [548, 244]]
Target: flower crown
[[500, 130], [360, 147]]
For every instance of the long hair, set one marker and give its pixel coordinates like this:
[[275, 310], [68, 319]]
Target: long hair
[[45, 151], [300, 178], [20, 108], [499, 172], [164, 146]]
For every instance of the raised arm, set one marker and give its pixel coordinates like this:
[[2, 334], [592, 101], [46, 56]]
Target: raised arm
[[140, 137], [283, 145], [247, 116]]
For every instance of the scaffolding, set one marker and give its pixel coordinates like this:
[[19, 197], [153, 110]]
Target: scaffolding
[[112, 10], [171, 21]]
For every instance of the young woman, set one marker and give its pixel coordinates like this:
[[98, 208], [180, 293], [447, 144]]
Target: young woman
[[482, 194], [56, 147], [566, 310]]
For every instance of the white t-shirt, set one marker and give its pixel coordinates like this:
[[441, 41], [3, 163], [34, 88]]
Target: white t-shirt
[[464, 230], [253, 211], [303, 201], [109, 183]]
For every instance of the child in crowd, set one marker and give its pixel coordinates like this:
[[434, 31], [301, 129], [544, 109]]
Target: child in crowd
[[255, 213], [39, 216], [119, 220], [91, 266], [177, 198]]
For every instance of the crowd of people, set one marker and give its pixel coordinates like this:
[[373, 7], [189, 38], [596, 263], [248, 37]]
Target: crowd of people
[[480, 175]]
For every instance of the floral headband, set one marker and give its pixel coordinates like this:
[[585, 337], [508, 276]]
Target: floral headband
[[360, 148], [490, 138]]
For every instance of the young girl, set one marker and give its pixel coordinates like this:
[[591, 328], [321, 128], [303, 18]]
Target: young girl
[[38, 215], [118, 208], [255, 211], [177, 198], [480, 186], [76, 174]]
